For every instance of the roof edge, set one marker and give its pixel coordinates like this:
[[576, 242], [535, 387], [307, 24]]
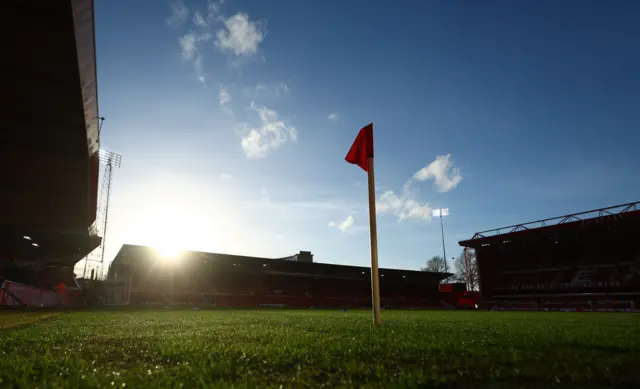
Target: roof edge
[[608, 214], [84, 31], [441, 276]]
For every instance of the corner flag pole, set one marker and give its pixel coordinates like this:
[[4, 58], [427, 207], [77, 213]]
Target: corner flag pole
[[361, 154], [375, 279]]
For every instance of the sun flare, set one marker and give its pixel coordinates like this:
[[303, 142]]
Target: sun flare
[[179, 216], [168, 251]]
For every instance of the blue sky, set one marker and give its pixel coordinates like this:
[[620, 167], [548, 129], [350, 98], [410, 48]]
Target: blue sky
[[234, 117]]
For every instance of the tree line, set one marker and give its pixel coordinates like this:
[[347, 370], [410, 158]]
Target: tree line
[[458, 269]]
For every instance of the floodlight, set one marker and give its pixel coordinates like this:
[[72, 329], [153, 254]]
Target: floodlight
[[109, 158], [440, 212]]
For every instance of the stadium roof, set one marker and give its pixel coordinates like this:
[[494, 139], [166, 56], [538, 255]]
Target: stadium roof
[[50, 135], [147, 256], [554, 225]]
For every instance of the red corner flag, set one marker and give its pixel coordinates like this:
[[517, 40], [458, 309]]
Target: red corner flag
[[362, 148], [361, 154]]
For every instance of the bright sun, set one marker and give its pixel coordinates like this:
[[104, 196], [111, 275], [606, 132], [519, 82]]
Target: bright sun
[[168, 251], [178, 218]]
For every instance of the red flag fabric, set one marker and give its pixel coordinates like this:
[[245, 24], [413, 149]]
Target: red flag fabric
[[362, 148]]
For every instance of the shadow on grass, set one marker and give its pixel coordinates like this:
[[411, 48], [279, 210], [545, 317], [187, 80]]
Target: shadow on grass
[[14, 320]]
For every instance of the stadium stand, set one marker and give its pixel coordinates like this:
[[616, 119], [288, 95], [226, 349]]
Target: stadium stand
[[49, 141], [140, 276], [584, 261]]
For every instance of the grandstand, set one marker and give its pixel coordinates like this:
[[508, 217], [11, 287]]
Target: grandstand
[[581, 261], [140, 276], [49, 141]]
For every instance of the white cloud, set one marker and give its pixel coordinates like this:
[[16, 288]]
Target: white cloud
[[189, 49], [213, 11], [199, 20], [202, 31], [345, 225], [267, 91], [179, 13], [197, 65], [445, 176], [405, 205], [204, 37], [225, 100], [236, 34], [279, 89], [188, 45], [272, 133], [240, 36], [226, 177], [333, 117]]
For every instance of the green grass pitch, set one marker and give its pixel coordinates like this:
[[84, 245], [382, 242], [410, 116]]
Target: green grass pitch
[[313, 349]]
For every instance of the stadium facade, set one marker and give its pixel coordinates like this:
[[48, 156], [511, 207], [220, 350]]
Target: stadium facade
[[580, 261], [140, 276]]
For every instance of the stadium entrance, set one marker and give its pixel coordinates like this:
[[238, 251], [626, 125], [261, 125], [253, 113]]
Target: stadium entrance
[[582, 261]]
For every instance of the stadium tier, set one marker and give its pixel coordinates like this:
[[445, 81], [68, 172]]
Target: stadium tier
[[140, 276], [583, 261], [49, 137]]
